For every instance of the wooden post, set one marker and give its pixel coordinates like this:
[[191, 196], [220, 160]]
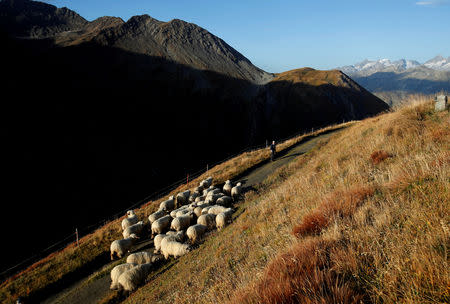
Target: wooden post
[[187, 179], [76, 233], [206, 167]]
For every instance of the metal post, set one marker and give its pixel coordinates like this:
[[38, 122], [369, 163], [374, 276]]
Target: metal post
[[206, 167], [76, 233], [266, 143]]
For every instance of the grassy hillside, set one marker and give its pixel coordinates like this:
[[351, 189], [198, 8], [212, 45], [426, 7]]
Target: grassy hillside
[[44, 276], [364, 217]]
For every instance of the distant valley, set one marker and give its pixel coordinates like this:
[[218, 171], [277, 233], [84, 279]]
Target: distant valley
[[392, 81]]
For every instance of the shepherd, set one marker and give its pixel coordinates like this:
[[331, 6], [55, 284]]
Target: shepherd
[[273, 148]]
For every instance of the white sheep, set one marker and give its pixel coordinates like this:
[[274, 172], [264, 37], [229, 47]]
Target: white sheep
[[131, 219], [120, 247], [173, 213], [177, 236], [116, 272], [209, 220], [182, 212], [143, 257], [206, 183], [174, 248], [236, 191], [182, 222], [136, 229], [183, 198], [206, 209], [216, 209], [132, 278], [193, 196], [156, 215], [227, 187], [224, 201], [224, 218], [196, 232], [198, 211], [161, 225], [167, 205], [211, 198]]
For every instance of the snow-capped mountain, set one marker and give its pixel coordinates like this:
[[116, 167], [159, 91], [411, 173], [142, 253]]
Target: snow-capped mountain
[[394, 81], [369, 67], [438, 63]]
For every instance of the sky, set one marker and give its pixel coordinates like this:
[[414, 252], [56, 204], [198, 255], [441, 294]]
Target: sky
[[281, 35]]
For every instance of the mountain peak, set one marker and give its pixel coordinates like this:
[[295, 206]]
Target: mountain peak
[[438, 63], [33, 19]]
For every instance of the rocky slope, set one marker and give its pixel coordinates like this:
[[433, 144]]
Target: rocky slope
[[35, 19], [181, 42]]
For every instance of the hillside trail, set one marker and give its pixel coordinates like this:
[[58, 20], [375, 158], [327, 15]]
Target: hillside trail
[[94, 288]]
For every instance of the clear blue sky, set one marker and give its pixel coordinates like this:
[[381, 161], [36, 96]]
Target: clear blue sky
[[279, 35]]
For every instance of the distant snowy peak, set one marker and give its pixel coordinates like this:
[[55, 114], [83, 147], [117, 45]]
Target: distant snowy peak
[[367, 67], [438, 63]]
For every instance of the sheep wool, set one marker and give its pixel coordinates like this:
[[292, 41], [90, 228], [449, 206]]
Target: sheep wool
[[208, 220], [196, 232], [227, 187], [224, 201], [216, 209], [136, 229], [182, 222], [131, 219], [224, 218], [173, 248], [236, 191], [120, 247], [161, 225], [131, 279], [183, 198], [167, 205], [116, 272], [156, 215], [143, 257], [198, 211]]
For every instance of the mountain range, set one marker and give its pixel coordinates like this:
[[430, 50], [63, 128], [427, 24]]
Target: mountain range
[[394, 81], [101, 113]]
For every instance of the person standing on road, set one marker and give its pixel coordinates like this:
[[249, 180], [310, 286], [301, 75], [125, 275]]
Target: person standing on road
[[273, 148]]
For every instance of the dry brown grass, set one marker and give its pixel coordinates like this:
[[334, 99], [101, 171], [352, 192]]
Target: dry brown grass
[[389, 245], [304, 274], [338, 204], [379, 156]]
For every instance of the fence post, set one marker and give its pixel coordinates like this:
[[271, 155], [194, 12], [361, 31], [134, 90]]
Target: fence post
[[187, 179], [206, 167], [76, 233]]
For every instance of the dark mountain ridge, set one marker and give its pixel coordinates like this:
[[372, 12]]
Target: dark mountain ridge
[[104, 113]]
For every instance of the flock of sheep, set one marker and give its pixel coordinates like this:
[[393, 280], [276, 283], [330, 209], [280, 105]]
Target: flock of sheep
[[179, 223]]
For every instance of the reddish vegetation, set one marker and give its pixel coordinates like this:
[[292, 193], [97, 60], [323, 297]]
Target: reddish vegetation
[[304, 274], [340, 203], [378, 156]]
